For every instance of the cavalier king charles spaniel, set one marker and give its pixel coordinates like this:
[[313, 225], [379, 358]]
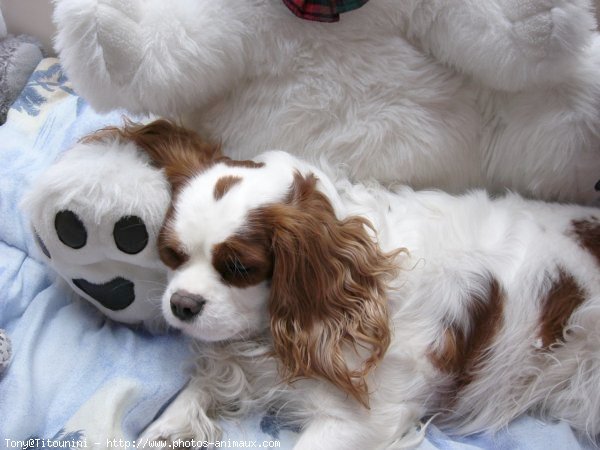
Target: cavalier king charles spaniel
[[357, 312]]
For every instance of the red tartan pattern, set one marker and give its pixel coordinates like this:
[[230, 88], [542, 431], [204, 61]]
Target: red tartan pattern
[[322, 10]]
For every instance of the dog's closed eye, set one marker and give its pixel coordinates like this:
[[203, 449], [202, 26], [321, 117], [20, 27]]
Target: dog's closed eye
[[236, 268], [240, 273], [172, 256], [242, 263]]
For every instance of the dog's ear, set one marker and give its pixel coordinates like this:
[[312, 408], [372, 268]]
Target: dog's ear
[[328, 293], [181, 152]]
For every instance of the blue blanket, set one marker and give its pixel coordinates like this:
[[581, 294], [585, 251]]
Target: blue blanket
[[78, 377]]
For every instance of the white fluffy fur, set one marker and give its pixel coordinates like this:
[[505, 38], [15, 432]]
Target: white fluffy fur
[[455, 245], [433, 93]]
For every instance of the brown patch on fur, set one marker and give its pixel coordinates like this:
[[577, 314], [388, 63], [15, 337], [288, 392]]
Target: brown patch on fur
[[588, 235], [242, 163], [224, 184], [328, 291], [245, 259], [561, 301], [449, 358], [463, 349], [170, 249], [181, 152]]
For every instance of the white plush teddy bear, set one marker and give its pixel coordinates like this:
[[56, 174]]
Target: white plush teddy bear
[[434, 93]]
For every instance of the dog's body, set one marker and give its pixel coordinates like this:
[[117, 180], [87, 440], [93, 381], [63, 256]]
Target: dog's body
[[490, 307]]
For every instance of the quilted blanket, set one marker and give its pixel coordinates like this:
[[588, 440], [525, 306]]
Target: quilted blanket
[[76, 378]]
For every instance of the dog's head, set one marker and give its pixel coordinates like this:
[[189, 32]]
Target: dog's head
[[256, 246]]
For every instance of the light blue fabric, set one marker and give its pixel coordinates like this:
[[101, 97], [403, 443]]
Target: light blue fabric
[[64, 351], [523, 433], [76, 376]]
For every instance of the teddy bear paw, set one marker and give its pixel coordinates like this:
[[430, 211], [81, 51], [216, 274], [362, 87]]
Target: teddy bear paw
[[120, 37], [96, 215], [547, 29], [106, 34], [546, 36]]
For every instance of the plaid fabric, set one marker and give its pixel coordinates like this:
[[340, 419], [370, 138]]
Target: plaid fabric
[[322, 10]]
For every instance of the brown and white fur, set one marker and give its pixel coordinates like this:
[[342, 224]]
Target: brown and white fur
[[358, 311]]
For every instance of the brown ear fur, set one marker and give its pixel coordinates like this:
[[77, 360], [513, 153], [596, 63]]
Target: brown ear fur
[[328, 292], [181, 152]]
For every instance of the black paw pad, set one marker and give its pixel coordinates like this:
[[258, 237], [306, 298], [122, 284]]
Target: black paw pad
[[70, 229], [41, 244], [130, 235], [115, 295], [597, 186]]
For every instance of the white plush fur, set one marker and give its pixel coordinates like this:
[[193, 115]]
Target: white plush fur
[[455, 245], [102, 182], [433, 93]]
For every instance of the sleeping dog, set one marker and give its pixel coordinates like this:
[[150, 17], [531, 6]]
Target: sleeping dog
[[358, 311]]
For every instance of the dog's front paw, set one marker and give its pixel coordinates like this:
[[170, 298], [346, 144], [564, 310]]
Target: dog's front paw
[[170, 434], [182, 426], [96, 215]]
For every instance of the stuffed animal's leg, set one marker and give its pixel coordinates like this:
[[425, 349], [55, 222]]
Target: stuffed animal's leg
[[96, 214], [129, 53], [505, 44]]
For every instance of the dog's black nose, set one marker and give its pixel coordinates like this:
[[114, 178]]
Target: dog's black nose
[[185, 305]]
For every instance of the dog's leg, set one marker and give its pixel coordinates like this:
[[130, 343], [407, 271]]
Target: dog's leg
[[219, 388], [363, 429], [184, 422]]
